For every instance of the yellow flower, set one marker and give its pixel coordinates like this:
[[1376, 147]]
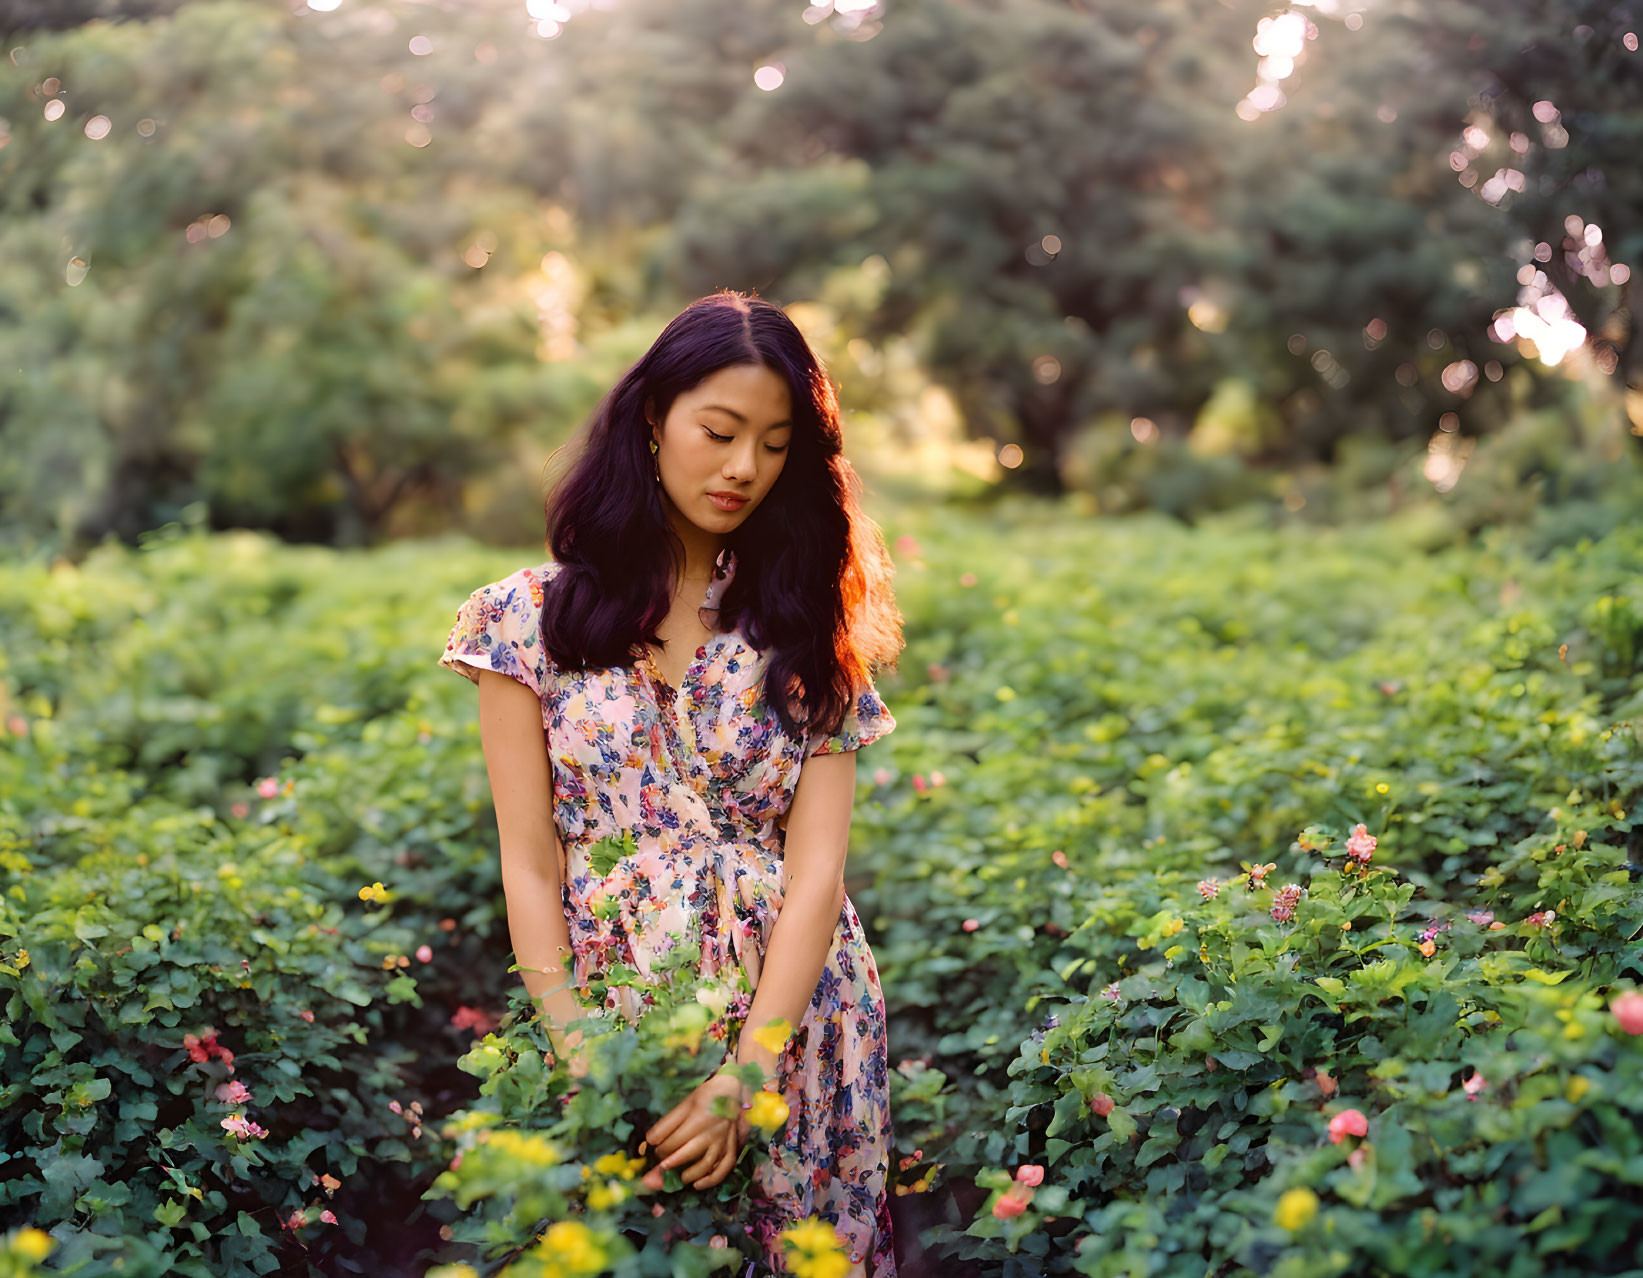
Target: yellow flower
[[525, 1146], [376, 892], [1296, 1208], [1577, 1086], [604, 1197], [1172, 927], [769, 1111], [1382, 788], [619, 1165], [813, 1250], [831, 1264], [573, 1246], [773, 1037], [33, 1244]]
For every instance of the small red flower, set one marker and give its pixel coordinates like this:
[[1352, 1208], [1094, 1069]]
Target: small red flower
[[1361, 845], [1628, 1011], [1006, 1207], [1349, 1122], [1029, 1174]]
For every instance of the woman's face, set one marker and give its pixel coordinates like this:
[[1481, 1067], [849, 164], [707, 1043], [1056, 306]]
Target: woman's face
[[726, 437]]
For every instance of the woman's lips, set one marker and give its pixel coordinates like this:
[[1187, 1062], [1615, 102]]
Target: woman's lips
[[727, 503]]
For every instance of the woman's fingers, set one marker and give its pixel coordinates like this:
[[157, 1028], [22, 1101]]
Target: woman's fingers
[[690, 1125], [687, 1153], [721, 1169], [663, 1127], [704, 1165]]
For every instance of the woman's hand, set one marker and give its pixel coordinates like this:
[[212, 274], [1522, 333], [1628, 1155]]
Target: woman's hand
[[692, 1138]]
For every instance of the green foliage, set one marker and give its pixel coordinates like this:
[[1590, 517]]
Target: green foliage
[[1106, 737], [217, 749]]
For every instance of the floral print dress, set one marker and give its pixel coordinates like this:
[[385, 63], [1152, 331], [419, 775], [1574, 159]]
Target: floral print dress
[[700, 776]]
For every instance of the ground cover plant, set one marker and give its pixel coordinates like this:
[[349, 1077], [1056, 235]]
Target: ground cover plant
[[1246, 900]]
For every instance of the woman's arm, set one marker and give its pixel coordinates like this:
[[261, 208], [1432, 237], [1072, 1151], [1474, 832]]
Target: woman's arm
[[516, 757], [818, 835]]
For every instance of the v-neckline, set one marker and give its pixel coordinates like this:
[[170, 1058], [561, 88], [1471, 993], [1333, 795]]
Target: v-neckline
[[726, 560]]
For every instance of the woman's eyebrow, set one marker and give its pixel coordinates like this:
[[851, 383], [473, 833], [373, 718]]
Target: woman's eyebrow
[[720, 408]]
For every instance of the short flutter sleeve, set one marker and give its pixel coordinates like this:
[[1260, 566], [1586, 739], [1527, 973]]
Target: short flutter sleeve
[[867, 719], [500, 628]]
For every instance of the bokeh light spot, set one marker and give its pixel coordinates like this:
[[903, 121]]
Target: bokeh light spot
[[421, 46], [97, 127], [1010, 456], [769, 77], [76, 271], [54, 109]]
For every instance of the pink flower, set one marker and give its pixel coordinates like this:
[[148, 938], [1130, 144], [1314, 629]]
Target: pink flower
[[919, 782], [717, 1241], [938, 778], [328, 1216], [1101, 1104], [473, 1018], [1541, 918], [298, 1219], [424, 954], [395, 1106], [241, 810], [1361, 845], [457, 1160], [1628, 1011], [1356, 1158], [967, 579], [234, 1093], [1209, 889], [1007, 1207], [306, 1015], [905, 545], [881, 776], [1029, 1174], [1283, 903], [1349, 1122], [239, 1125], [1483, 918], [970, 925], [1474, 1085], [1059, 857], [268, 787], [1110, 992]]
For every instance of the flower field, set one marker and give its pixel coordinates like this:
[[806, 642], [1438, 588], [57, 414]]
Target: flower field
[[1246, 900]]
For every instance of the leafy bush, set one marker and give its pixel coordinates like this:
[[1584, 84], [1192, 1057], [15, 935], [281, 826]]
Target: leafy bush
[[234, 790]]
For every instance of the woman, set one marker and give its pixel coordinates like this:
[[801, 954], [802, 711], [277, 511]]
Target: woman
[[708, 552]]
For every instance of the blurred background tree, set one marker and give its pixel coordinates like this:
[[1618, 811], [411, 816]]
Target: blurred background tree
[[350, 271]]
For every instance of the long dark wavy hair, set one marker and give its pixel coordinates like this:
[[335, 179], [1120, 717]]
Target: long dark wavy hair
[[812, 585]]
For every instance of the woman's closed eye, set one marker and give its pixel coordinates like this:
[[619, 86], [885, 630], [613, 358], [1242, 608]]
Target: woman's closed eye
[[725, 439]]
